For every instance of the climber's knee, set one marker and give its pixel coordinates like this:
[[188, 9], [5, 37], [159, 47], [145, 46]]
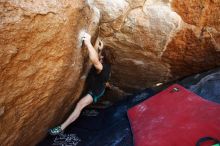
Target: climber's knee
[[86, 100]]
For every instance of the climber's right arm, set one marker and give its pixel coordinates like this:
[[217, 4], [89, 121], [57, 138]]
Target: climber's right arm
[[93, 55]]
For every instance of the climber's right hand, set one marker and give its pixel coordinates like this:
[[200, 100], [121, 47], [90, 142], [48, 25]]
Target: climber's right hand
[[87, 39]]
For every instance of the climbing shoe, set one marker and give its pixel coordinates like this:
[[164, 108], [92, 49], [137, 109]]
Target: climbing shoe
[[55, 131]]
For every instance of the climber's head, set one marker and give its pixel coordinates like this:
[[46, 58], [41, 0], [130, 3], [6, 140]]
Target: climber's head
[[106, 55]]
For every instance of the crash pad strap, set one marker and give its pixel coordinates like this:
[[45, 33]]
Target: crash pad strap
[[205, 139]]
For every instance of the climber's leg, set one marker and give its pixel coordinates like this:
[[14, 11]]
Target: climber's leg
[[86, 100]]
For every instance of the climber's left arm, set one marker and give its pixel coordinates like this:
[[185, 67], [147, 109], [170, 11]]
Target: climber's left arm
[[108, 85]]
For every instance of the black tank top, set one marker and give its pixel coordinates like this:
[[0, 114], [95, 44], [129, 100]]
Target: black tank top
[[97, 80]]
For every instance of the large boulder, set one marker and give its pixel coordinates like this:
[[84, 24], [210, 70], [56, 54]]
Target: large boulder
[[161, 40], [42, 65]]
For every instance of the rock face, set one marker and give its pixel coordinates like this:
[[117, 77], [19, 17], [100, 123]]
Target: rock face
[[160, 40], [43, 67]]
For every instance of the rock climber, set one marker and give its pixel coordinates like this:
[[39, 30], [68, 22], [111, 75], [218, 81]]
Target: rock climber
[[97, 81]]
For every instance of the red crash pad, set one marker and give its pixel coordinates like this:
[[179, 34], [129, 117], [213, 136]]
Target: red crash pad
[[174, 117]]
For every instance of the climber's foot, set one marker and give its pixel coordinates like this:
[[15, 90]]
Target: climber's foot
[[55, 131]]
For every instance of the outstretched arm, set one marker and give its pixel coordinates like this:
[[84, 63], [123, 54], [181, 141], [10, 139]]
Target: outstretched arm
[[93, 55]]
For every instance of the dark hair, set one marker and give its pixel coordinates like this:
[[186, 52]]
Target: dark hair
[[108, 55]]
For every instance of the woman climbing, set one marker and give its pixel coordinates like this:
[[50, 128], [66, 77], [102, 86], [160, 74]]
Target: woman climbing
[[97, 82]]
